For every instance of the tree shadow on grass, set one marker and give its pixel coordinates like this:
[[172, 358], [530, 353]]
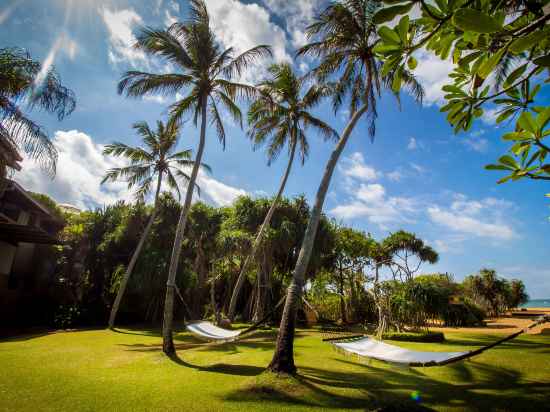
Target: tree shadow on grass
[[223, 368], [476, 386]]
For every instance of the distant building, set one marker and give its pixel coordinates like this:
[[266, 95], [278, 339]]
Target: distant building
[[25, 227], [68, 208]]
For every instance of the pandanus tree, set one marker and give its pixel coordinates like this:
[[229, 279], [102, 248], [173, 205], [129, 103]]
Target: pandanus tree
[[157, 161], [343, 38], [278, 117], [204, 75], [25, 81], [403, 253]]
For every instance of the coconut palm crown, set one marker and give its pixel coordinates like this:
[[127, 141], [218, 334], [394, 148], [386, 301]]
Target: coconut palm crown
[[157, 158], [24, 81], [343, 37], [280, 114]]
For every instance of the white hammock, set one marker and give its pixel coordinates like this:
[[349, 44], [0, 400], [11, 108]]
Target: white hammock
[[375, 349], [209, 331]]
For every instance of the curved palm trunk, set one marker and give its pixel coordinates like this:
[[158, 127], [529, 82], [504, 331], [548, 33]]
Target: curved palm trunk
[[135, 256], [283, 358], [167, 341], [249, 259]]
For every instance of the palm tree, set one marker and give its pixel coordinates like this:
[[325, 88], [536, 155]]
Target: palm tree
[[158, 160], [205, 73], [345, 36], [280, 116], [23, 80]]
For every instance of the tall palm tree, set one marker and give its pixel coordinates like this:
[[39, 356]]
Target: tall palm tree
[[24, 81], [158, 160], [205, 73], [344, 36], [277, 117]]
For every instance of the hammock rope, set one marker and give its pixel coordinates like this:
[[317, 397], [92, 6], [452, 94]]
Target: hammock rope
[[366, 347]]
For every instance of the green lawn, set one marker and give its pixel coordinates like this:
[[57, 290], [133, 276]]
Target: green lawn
[[125, 370]]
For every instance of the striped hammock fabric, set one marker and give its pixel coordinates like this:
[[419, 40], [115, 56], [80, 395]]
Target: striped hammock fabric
[[209, 331], [372, 348]]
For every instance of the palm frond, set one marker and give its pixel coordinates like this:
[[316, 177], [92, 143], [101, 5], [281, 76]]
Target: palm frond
[[239, 64], [137, 84]]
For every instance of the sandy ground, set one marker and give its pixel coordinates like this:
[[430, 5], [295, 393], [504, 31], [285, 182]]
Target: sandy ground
[[506, 325]]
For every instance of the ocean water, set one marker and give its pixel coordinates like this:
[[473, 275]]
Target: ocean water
[[537, 303]]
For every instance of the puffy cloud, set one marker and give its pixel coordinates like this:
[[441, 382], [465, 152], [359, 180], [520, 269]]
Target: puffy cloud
[[243, 26], [298, 14], [354, 167], [433, 74], [217, 192], [120, 24], [412, 145], [480, 218], [370, 201], [80, 169]]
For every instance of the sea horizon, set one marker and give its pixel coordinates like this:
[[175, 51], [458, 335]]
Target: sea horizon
[[537, 303]]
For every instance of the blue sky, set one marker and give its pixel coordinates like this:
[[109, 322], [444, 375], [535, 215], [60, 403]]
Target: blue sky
[[415, 176]]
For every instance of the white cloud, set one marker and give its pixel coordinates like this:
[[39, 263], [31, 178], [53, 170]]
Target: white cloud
[[478, 144], [417, 168], [243, 26], [433, 74], [219, 193], [354, 167], [155, 98], [120, 24], [370, 201], [170, 14], [298, 15], [489, 116], [413, 145], [480, 218], [80, 169], [395, 176]]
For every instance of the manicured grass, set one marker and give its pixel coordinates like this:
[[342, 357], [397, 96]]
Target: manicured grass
[[105, 370]]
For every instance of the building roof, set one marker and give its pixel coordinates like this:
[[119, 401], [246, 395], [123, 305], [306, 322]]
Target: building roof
[[14, 233], [9, 154], [17, 194]]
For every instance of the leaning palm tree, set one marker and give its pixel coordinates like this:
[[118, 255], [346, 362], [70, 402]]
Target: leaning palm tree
[[344, 36], [280, 116], [205, 73], [157, 161], [25, 81]]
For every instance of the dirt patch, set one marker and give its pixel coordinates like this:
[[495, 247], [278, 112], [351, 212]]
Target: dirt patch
[[505, 325]]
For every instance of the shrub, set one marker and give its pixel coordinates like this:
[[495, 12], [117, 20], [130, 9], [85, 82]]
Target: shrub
[[464, 314], [425, 336]]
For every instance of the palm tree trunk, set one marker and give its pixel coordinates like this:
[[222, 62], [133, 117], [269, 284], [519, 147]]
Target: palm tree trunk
[[283, 358], [133, 260], [259, 237], [167, 341]]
